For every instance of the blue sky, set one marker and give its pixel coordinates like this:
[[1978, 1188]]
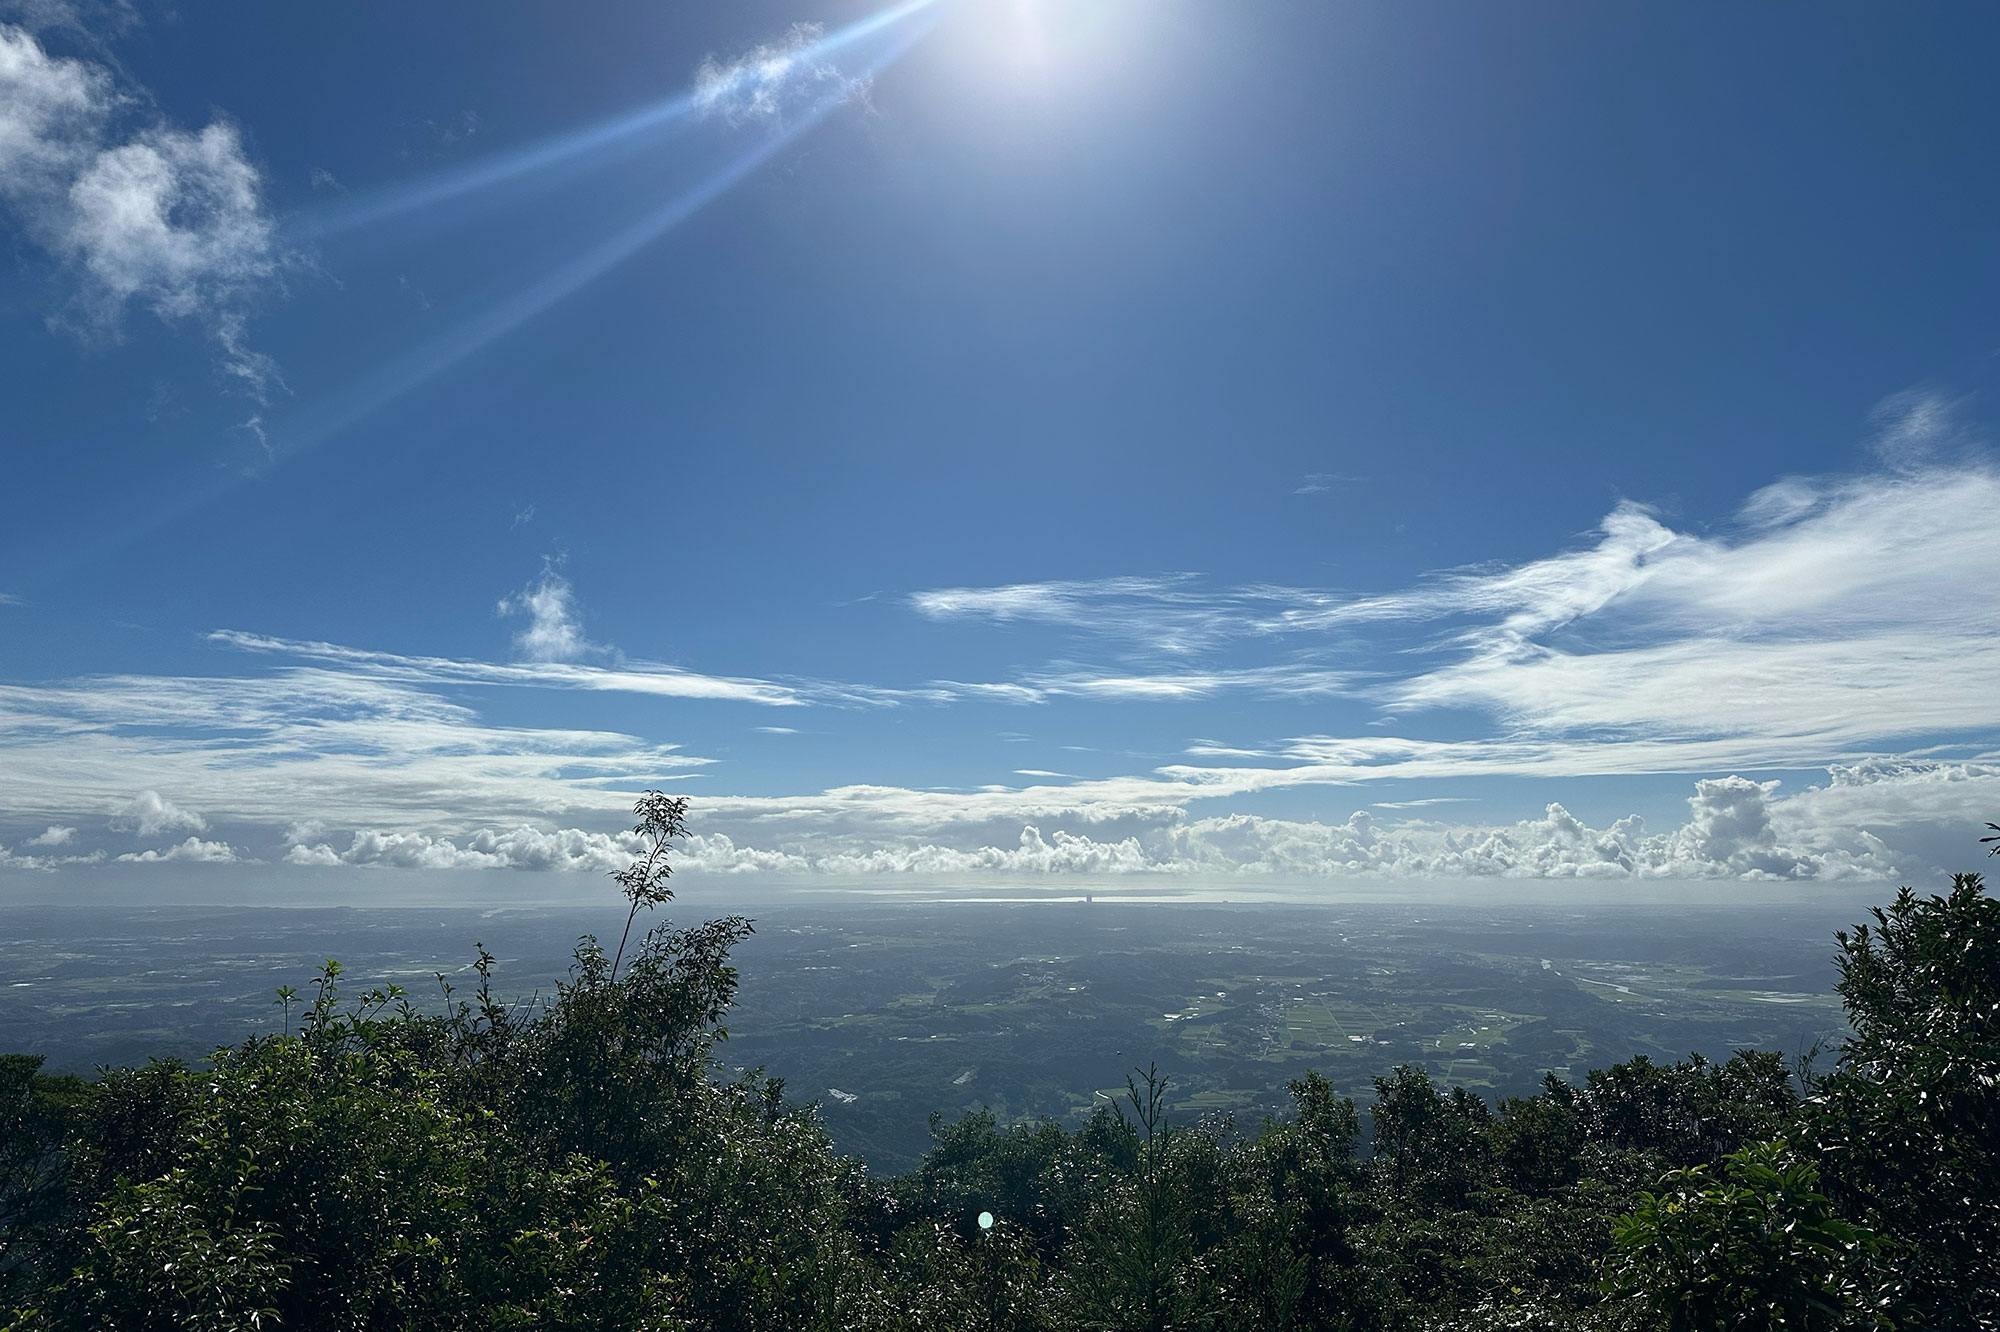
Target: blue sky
[[1003, 437]]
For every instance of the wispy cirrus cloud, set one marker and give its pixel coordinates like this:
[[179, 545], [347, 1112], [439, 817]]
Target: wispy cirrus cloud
[[1073, 602], [1919, 428], [1424, 803], [1165, 614], [1277, 681], [88, 21], [346, 748], [775, 79], [1180, 613], [1842, 610], [626, 676], [631, 678]]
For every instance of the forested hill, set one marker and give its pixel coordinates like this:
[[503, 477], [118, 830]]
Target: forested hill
[[584, 1163]]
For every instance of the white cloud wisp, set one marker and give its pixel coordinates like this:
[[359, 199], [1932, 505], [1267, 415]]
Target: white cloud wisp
[[775, 80], [555, 630], [1835, 613]]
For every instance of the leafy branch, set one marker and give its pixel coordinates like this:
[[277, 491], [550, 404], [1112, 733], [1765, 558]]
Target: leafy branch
[[662, 822]]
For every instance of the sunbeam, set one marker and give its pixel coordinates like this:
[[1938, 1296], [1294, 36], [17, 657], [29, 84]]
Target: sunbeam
[[383, 386], [378, 388], [547, 161]]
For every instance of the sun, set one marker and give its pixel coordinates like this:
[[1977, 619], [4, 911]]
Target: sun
[[1028, 42]]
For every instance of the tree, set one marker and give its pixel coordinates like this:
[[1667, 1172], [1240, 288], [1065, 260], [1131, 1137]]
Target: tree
[[1908, 1124], [1134, 1270], [1302, 1274], [1015, 1173], [1757, 1248], [338, 1178], [1430, 1145], [37, 1115], [662, 822], [1538, 1141]]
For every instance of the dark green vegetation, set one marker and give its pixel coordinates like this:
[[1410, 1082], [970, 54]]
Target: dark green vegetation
[[584, 1162]]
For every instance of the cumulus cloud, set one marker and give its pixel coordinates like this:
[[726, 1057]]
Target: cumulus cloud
[[193, 850], [149, 814], [10, 860], [523, 848], [775, 80], [137, 211], [171, 220], [554, 630], [55, 836]]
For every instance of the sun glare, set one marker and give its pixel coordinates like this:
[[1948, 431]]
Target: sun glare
[[1020, 45]]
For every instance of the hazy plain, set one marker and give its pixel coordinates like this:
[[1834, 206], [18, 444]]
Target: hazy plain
[[886, 1005]]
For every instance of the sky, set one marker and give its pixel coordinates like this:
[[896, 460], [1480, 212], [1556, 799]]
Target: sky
[[1005, 439]]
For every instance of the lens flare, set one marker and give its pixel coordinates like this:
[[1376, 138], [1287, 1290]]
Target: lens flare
[[407, 372], [384, 385], [548, 161]]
